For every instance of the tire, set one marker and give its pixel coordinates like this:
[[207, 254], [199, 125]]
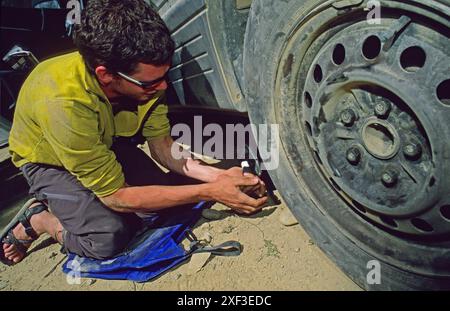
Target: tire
[[387, 204]]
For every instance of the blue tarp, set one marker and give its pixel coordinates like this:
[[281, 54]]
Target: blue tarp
[[153, 252]]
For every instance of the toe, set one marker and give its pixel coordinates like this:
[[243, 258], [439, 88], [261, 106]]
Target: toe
[[16, 258], [8, 247], [5, 246], [10, 253]]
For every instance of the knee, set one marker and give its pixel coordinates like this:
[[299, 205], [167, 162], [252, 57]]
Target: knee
[[110, 242]]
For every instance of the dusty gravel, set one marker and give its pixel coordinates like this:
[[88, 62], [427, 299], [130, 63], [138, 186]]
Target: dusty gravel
[[275, 257]]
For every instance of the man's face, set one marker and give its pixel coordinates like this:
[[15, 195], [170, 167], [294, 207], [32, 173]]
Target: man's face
[[143, 73]]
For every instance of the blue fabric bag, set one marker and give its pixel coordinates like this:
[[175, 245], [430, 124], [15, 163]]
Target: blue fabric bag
[[154, 251]]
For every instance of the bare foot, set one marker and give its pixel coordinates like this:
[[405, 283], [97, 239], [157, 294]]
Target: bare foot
[[37, 222]]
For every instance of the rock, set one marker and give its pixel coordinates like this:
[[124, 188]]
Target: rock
[[177, 276], [297, 250], [89, 282], [197, 262], [286, 218], [211, 214]]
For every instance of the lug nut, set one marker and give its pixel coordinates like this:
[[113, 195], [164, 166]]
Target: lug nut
[[382, 109], [389, 177], [412, 150], [353, 155], [348, 117]]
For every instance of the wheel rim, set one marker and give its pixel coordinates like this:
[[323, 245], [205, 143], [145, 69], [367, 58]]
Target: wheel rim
[[369, 132]]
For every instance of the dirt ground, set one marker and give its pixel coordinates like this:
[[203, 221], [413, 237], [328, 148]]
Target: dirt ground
[[275, 257]]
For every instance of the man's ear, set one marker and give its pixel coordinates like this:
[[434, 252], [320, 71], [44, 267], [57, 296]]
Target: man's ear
[[104, 76]]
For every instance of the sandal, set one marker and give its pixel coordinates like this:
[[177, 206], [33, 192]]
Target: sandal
[[23, 217]]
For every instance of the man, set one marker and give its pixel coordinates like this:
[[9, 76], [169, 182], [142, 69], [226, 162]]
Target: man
[[69, 112]]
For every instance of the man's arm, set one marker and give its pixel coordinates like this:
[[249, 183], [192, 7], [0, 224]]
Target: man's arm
[[224, 186], [161, 150], [225, 189]]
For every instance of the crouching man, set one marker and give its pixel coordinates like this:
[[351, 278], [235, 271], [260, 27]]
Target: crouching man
[[71, 137]]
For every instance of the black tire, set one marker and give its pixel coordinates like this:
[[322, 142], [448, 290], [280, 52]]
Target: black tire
[[282, 39]]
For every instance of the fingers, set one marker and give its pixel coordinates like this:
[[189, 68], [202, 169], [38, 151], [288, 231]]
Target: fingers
[[262, 189], [234, 171], [246, 181], [236, 197], [246, 210], [247, 205], [249, 189], [261, 201], [251, 203], [259, 189]]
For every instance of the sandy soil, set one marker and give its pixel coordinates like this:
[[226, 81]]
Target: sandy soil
[[275, 257]]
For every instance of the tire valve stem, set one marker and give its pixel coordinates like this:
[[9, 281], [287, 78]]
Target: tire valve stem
[[389, 178], [353, 155]]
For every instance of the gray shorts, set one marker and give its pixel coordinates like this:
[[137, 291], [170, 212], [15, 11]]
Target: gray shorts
[[90, 228]]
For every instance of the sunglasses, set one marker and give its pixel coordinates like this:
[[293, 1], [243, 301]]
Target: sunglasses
[[143, 84]]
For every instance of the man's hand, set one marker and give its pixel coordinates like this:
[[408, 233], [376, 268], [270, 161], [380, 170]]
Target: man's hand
[[227, 189], [258, 190]]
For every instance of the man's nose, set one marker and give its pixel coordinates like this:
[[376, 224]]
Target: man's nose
[[162, 86]]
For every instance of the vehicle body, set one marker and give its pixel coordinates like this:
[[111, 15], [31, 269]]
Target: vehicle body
[[362, 104]]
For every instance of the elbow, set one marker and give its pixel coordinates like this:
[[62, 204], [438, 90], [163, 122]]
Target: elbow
[[111, 204], [120, 201]]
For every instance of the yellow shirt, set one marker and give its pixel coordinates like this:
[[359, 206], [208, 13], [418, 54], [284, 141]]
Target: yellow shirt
[[63, 118]]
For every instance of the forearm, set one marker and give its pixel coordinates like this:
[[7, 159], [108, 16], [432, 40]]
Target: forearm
[[162, 152], [225, 189], [195, 169], [153, 198]]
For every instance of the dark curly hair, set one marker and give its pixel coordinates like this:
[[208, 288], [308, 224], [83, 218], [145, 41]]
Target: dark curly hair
[[119, 34]]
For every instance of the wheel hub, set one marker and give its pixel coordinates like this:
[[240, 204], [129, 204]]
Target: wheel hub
[[369, 133], [380, 139]]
